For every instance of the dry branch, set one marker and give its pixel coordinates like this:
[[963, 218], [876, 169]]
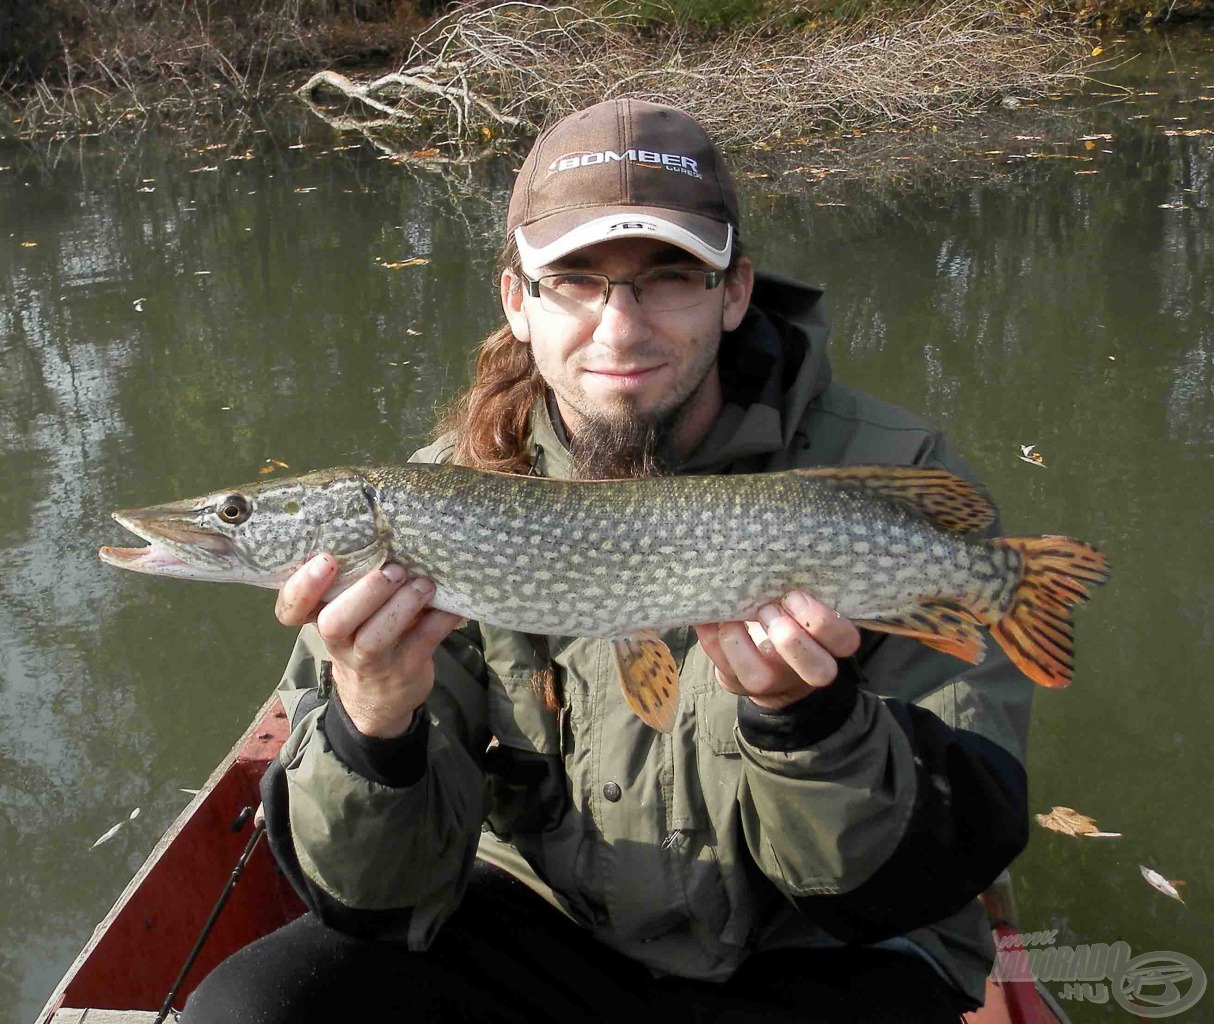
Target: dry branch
[[487, 70]]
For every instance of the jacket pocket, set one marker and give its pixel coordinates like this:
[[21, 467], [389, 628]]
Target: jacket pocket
[[704, 817]]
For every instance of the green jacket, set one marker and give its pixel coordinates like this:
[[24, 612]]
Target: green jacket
[[873, 811]]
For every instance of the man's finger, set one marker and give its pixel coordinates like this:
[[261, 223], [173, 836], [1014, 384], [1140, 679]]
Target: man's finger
[[431, 629], [709, 634], [836, 634], [342, 617], [800, 651], [384, 629], [755, 672], [299, 597]]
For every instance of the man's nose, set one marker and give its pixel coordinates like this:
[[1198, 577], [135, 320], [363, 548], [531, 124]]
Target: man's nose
[[622, 321]]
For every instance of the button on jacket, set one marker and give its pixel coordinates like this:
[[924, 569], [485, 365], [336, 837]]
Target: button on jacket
[[875, 810]]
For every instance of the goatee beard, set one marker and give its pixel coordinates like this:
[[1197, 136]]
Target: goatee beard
[[624, 449]]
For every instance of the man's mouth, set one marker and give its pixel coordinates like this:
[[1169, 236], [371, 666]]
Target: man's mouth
[[626, 376]]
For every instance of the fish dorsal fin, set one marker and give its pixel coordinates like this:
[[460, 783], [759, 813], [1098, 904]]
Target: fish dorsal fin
[[941, 496], [649, 678]]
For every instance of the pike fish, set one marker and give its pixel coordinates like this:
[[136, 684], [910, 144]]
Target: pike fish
[[888, 547]]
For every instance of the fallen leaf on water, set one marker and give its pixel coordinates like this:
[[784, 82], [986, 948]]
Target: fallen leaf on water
[[1157, 881], [1029, 454], [271, 465], [138, 304], [29, 245], [417, 261], [199, 170], [1113, 358], [1173, 206], [1070, 822], [192, 792], [134, 814], [146, 189], [1104, 137], [109, 834], [410, 330], [311, 188], [1089, 144], [1097, 52]]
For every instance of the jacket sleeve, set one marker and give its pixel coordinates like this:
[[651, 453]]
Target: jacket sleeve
[[378, 836], [893, 797]]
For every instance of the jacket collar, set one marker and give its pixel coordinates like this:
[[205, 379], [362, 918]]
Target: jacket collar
[[772, 367]]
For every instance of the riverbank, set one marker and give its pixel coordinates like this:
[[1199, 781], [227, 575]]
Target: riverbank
[[97, 62], [758, 73]]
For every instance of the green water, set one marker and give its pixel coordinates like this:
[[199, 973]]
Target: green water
[[158, 343]]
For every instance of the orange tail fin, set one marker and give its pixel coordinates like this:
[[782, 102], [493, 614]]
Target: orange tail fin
[[1036, 632]]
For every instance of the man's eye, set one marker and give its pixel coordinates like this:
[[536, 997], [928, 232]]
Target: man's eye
[[570, 280], [670, 274]]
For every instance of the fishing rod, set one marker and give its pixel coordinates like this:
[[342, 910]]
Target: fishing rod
[[259, 828]]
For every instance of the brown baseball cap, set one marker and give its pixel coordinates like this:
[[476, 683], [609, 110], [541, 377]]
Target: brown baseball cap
[[623, 168]]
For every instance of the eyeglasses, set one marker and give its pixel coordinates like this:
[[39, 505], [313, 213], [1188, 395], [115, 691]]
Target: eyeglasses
[[577, 293]]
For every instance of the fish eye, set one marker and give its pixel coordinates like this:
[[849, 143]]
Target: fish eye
[[234, 509]]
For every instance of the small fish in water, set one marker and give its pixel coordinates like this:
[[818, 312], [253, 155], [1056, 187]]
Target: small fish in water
[[885, 546]]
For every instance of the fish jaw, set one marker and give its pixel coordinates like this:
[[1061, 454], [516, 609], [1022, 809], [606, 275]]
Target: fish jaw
[[180, 548]]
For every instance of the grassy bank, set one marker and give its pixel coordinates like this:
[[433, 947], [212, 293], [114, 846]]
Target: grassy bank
[[793, 66]]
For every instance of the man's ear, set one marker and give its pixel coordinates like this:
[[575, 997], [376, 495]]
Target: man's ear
[[739, 283], [512, 305]]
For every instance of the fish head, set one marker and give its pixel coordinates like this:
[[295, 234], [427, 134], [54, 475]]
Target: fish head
[[259, 533]]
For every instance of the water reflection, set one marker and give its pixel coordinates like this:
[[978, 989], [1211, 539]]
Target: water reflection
[[176, 326]]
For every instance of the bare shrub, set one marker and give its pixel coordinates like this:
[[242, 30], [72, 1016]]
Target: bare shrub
[[486, 70]]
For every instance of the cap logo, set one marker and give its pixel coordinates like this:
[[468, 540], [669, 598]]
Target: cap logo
[[631, 225], [667, 161]]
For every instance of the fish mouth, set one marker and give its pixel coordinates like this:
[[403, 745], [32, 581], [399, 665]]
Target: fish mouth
[[170, 536]]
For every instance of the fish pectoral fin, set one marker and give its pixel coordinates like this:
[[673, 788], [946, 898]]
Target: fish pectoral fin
[[943, 497], [941, 625], [649, 678]]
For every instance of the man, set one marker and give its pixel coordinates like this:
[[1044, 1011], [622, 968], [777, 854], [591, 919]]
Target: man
[[809, 841]]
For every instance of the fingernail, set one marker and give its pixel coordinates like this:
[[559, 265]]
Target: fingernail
[[393, 572], [797, 604], [768, 614], [319, 567], [423, 586]]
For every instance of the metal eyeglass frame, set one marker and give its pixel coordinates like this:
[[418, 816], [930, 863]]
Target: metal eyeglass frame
[[712, 279]]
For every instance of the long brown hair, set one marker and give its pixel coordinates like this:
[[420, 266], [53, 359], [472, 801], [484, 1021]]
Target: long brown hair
[[490, 422]]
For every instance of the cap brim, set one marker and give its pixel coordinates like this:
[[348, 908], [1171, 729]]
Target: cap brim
[[548, 239]]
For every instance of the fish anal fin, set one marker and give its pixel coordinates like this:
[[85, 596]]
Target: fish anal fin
[[941, 625], [649, 678], [943, 497]]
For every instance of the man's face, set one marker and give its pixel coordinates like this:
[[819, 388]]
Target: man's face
[[629, 363]]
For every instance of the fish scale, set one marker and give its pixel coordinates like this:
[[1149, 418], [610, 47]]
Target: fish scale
[[640, 532]]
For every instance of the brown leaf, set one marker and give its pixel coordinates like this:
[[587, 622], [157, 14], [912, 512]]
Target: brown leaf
[[1070, 822], [417, 261], [424, 154]]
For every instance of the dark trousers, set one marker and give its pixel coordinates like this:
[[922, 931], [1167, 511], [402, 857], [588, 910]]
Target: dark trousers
[[506, 956]]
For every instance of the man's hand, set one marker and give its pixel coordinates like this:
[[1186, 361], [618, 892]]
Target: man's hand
[[380, 636], [804, 639]]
